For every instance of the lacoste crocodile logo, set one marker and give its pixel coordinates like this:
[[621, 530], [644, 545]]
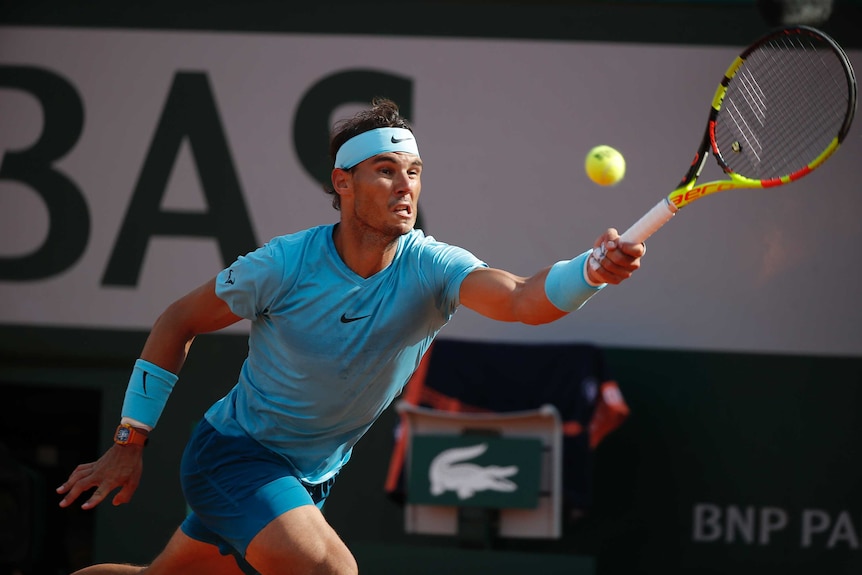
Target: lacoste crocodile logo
[[345, 319], [448, 472]]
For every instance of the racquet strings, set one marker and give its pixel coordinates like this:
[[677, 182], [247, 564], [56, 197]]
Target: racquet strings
[[783, 107]]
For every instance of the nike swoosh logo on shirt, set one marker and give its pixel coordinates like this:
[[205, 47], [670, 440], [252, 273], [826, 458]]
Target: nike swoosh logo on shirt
[[345, 319]]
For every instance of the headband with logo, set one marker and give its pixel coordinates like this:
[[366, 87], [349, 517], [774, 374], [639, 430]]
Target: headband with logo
[[373, 142]]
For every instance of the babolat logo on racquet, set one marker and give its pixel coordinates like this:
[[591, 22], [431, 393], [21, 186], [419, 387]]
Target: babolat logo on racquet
[[784, 106]]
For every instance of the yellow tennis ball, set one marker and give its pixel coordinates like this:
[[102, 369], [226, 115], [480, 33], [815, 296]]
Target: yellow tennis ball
[[605, 165]]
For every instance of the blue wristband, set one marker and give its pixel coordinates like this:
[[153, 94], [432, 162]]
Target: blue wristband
[[147, 393], [566, 284]]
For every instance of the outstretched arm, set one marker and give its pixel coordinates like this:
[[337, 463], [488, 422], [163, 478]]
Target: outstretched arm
[[504, 296], [200, 311]]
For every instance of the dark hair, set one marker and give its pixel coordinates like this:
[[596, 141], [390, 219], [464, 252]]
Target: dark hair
[[382, 114]]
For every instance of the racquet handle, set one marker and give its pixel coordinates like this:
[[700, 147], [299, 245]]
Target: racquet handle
[[650, 222]]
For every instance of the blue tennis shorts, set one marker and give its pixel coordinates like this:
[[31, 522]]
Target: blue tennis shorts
[[235, 487]]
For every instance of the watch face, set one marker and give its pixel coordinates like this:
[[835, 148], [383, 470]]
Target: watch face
[[123, 434]]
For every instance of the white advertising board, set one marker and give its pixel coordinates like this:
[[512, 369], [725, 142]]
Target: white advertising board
[[503, 127]]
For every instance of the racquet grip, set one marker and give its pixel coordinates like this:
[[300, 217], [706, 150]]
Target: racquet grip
[[650, 222]]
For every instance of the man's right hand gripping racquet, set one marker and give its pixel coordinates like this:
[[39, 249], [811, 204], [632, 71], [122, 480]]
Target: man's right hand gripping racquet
[[782, 108]]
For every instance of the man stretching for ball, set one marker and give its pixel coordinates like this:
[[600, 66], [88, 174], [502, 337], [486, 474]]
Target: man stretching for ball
[[341, 315]]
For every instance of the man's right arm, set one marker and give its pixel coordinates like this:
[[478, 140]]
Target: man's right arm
[[199, 311]]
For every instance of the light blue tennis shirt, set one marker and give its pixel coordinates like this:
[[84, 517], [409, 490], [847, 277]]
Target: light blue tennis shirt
[[328, 349]]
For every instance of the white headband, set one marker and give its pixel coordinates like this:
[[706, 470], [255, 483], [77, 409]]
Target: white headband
[[373, 142]]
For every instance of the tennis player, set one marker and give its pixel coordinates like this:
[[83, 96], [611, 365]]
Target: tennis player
[[341, 315]]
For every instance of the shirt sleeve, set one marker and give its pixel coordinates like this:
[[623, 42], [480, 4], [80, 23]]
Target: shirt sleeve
[[447, 267], [250, 284]]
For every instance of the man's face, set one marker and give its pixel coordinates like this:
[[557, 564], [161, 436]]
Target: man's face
[[384, 193]]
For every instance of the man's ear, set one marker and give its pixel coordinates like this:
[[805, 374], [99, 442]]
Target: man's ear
[[340, 179]]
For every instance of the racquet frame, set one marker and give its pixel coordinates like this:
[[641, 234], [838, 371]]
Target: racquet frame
[[689, 190]]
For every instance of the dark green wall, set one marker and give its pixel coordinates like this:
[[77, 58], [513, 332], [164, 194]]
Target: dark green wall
[[734, 22], [729, 429]]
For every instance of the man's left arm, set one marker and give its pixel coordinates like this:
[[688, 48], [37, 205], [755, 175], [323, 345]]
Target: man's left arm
[[554, 291]]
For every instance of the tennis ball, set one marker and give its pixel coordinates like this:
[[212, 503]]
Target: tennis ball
[[605, 165]]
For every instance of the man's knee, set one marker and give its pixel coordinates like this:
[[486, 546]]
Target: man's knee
[[111, 569], [330, 560], [342, 564]]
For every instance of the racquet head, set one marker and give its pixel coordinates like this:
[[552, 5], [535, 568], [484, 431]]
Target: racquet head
[[783, 107]]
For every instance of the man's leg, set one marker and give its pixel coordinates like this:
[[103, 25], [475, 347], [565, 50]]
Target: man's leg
[[110, 569], [300, 541], [181, 555]]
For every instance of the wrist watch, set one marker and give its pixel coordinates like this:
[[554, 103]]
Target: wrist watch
[[128, 435]]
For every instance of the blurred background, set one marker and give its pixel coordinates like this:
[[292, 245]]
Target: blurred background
[[146, 145]]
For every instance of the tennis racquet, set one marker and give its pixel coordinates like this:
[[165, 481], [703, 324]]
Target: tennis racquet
[[783, 107]]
